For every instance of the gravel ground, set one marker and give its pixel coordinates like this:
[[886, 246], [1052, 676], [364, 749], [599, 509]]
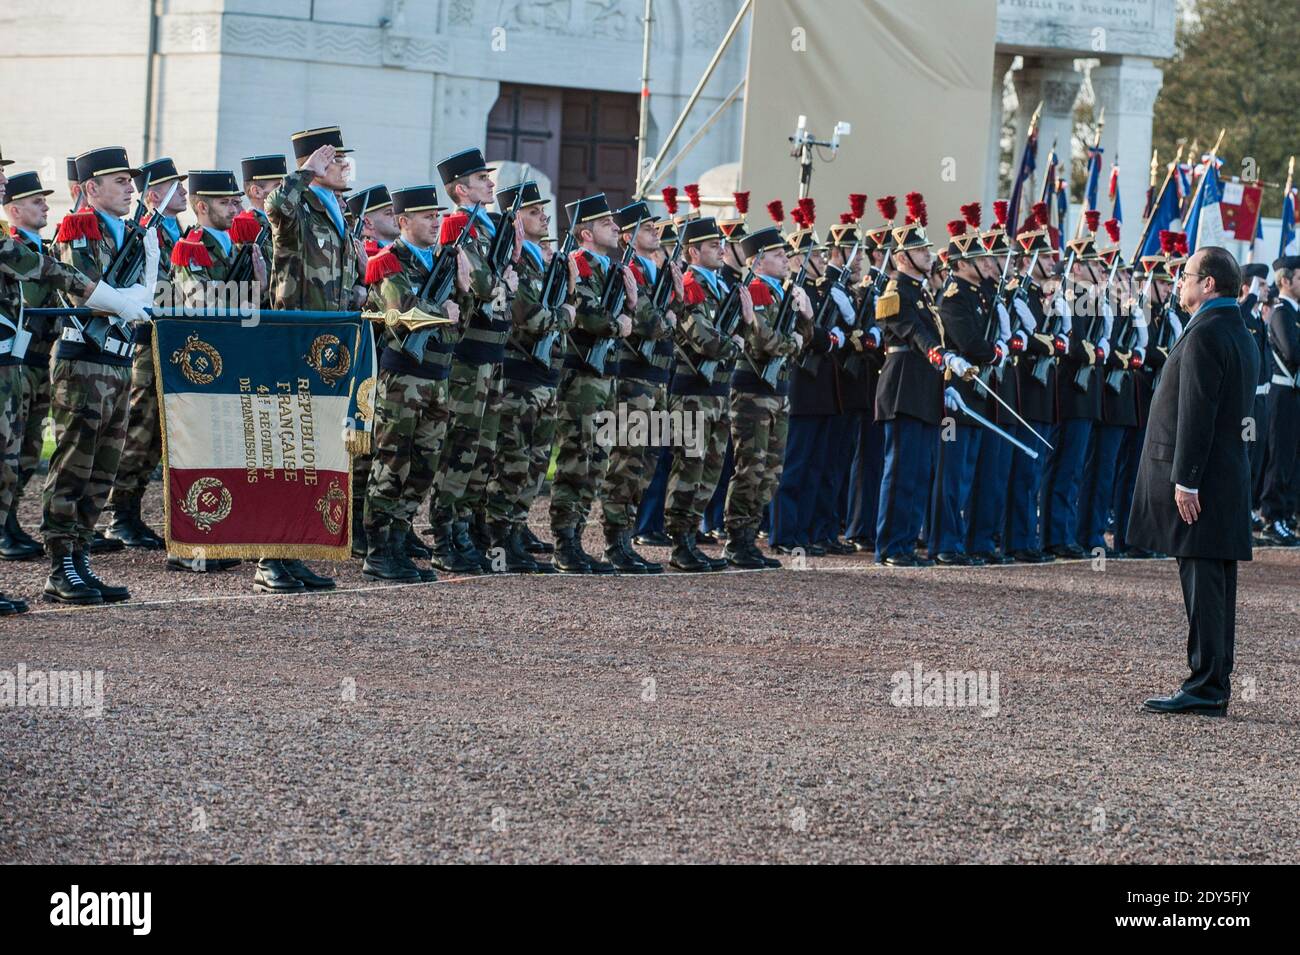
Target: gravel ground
[[731, 717]]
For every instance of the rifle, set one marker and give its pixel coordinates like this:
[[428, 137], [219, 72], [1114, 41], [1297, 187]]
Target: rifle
[[442, 277], [1125, 340], [824, 318], [502, 249], [241, 267], [124, 270], [555, 291], [1083, 377], [784, 324], [660, 295], [728, 320], [611, 303]]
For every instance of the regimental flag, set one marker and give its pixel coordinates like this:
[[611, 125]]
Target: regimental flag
[[1205, 218], [1240, 208], [1116, 211], [1289, 244], [1028, 162], [1094, 178], [1163, 216], [256, 424]]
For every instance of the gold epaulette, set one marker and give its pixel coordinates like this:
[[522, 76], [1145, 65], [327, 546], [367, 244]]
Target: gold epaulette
[[888, 304], [952, 290]]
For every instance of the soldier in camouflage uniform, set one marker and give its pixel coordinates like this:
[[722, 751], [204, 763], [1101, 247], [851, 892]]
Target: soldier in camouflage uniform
[[760, 413], [89, 383], [645, 358], [587, 384], [316, 266], [411, 403], [28, 214], [699, 395], [262, 175], [530, 378], [143, 448], [475, 368]]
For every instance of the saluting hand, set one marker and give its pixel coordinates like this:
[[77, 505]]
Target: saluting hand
[[320, 160], [629, 284], [462, 272]]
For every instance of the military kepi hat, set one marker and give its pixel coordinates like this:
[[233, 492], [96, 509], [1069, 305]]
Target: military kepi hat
[[585, 210], [630, 215], [102, 162], [272, 166], [701, 230], [416, 199], [212, 183], [761, 241], [23, 185], [156, 172], [368, 200], [532, 196], [461, 164], [72, 169], [309, 140], [1288, 262]]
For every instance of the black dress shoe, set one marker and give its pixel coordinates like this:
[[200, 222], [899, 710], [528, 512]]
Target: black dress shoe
[[862, 545], [196, 565], [653, 539], [308, 577], [1031, 557], [833, 545], [994, 559], [273, 577], [1184, 702], [1067, 551], [952, 559], [906, 560]]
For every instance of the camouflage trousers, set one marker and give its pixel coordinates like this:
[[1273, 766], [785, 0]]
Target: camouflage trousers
[[33, 409], [694, 476], [411, 417], [11, 435], [582, 459], [633, 457], [143, 447], [475, 500], [89, 405], [523, 450], [468, 388], [759, 424]]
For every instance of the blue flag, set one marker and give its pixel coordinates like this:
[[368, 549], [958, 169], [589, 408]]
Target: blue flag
[[1094, 177], [1028, 162], [1162, 217], [1288, 244], [1205, 218]]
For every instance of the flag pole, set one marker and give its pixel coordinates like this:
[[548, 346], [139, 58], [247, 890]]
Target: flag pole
[[1101, 124], [1259, 210], [1146, 226]]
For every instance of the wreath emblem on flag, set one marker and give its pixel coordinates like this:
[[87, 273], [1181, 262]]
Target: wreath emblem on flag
[[330, 357], [366, 399], [332, 507], [200, 362], [208, 503]]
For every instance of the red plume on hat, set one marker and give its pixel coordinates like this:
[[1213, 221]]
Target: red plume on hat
[[1112, 230], [245, 227], [692, 194], [1040, 215], [776, 209], [1168, 242], [916, 208], [670, 199], [956, 227], [846, 218], [742, 202], [971, 214], [1180, 240], [857, 204], [1092, 218], [79, 225], [190, 251], [1000, 207], [887, 206], [801, 220], [809, 210]]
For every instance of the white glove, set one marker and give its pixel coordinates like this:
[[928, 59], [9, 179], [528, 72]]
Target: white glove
[[151, 255], [1143, 334], [1026, 316], [104, 298], [1004, 322], [957, 365], [1104, 345], [1003, 349], [1255, 284], [1176, 324], [798, 341], [843, 303], [1108, 317], [950, 399], [875, 332], [1063, 312], [837, 334]]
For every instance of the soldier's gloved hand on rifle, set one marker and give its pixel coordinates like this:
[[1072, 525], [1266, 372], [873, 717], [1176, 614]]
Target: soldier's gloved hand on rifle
[[959, 366], [845, 306], [1026, 316], [837, 336], [129, 307], [1004, 322], [798, 341], [801, 303], [950, 399], [1103, 349], [152, 254], [874, 337]]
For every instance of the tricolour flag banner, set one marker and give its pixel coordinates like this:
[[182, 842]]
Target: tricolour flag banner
[[1205, 218], [256, 425], [1240, 209], [1289, 241]]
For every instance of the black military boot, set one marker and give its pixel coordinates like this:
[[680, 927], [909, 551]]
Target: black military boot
[[506, 539], [651, 566], [715, 563], [359, 548], [416, 549], [99, 544], [15, 543], [129, 528], [272, 577], [65, 584], [201, 565], [479, 532], [110, 592], [741, 552], [445, 555], [685, 557], [382, 561], [477, 560], [618, 556], [532, 543], [308, 577], [569, 555], [598, 564], [540, 566]]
